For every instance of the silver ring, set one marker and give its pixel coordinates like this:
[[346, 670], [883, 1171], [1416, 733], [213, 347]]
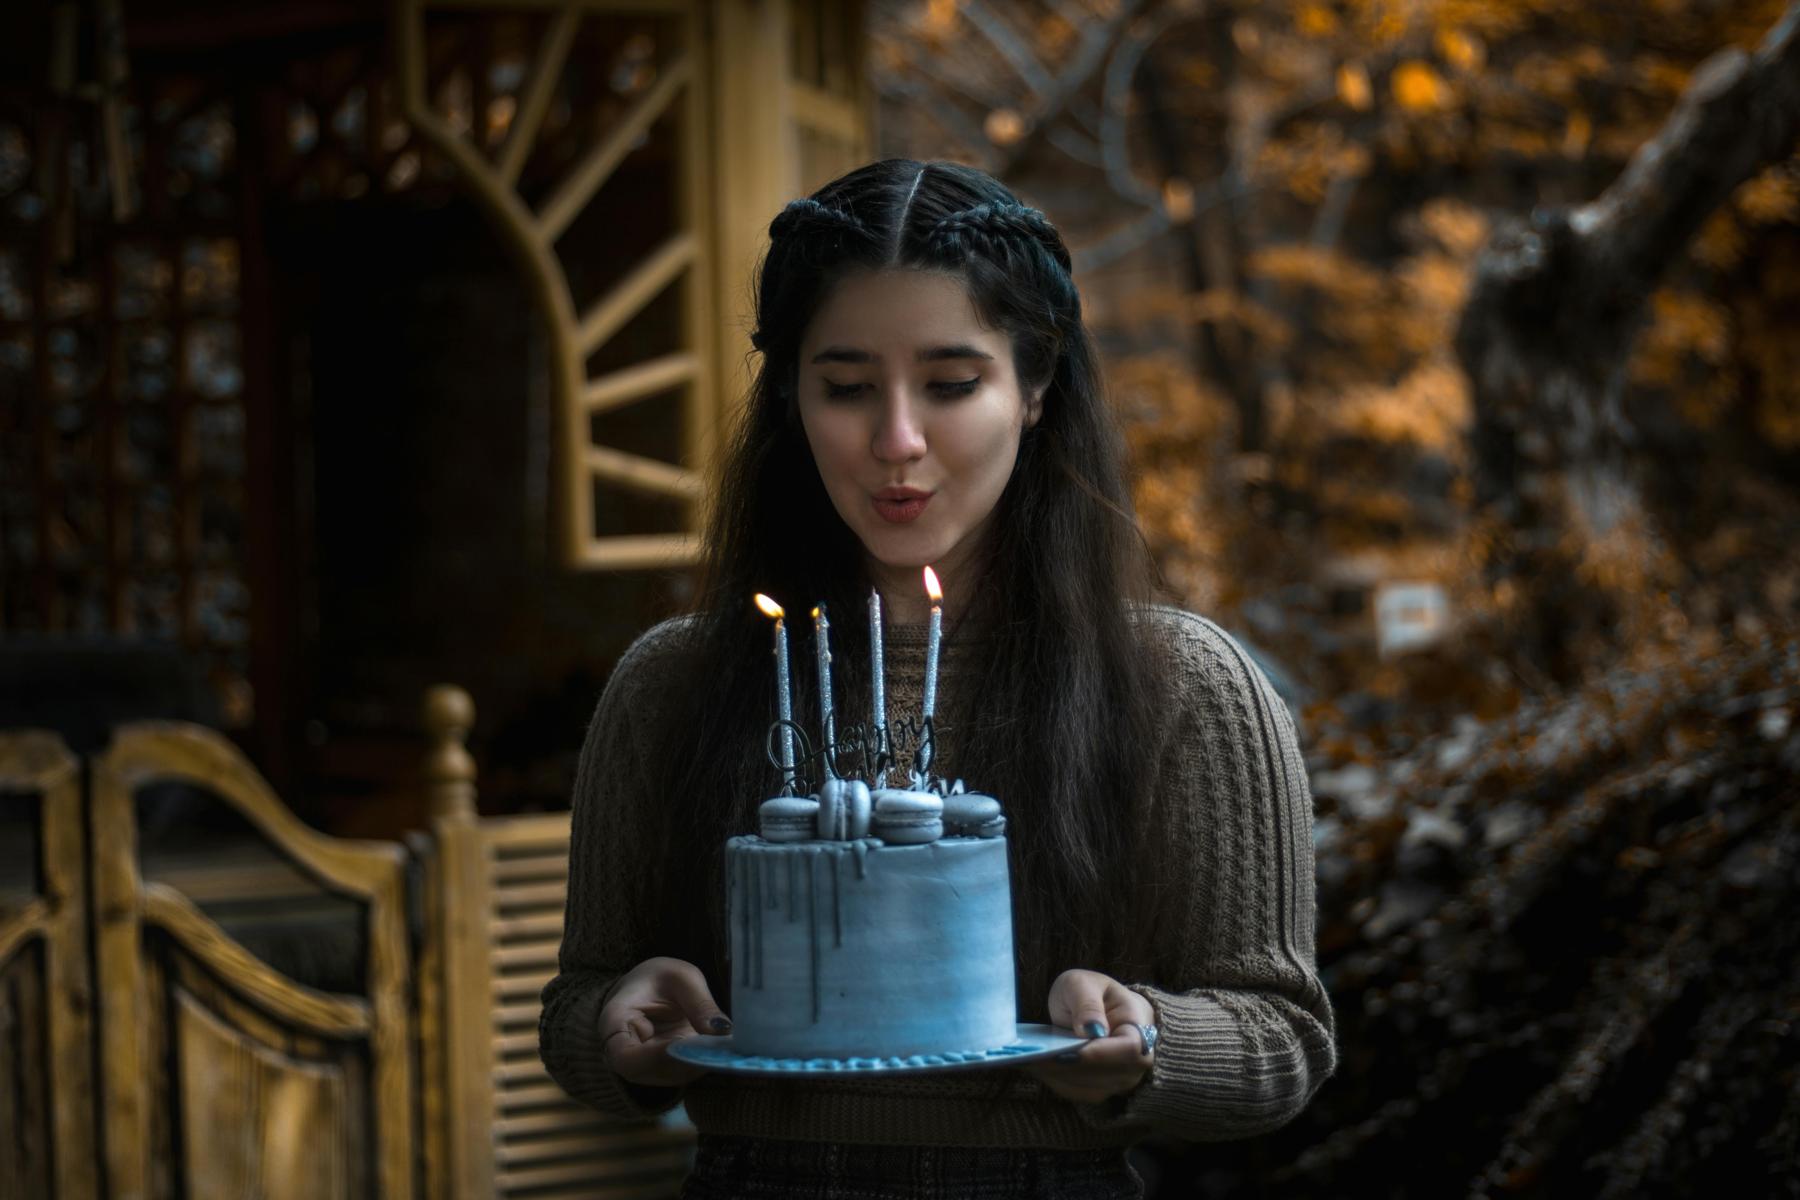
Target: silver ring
[[1146, 1034]]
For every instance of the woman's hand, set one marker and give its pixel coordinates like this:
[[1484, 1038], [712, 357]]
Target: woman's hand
[[658, 1003], [1111, 1014]]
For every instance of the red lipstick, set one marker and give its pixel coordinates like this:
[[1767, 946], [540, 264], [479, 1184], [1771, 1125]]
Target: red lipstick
[[900, 505]]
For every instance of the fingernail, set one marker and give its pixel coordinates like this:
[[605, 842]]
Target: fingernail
[[1068, 1056], [1094, 1029], [720, 1025]]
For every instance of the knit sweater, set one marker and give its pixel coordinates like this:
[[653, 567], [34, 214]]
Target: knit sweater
[[1247, 1031]]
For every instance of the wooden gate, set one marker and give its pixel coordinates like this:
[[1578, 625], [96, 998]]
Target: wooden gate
[[219, 1077], [46, 1064], [496, 1125]]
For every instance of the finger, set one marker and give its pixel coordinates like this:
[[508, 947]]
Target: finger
[[1087, 1005], [1122, 1048], [687, 988], [1126, 1044], [1123, 1004]]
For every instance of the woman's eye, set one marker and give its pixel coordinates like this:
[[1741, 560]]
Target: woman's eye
[[956, 387], [841, 391]]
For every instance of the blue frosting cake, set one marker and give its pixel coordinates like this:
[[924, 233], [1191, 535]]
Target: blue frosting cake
[[883, 930]]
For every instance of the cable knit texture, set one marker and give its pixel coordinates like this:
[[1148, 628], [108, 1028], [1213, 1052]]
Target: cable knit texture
[[1247, 1030]]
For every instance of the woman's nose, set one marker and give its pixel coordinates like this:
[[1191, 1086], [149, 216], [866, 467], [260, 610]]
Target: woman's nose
[[898, 436]]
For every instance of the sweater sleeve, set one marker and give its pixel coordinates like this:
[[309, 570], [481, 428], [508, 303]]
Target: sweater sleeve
[[601, 938], [1247, 1030]]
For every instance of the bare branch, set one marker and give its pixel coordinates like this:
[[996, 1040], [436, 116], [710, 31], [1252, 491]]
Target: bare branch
[[1097, 40], [1010, 45], [1740, 113], [954, 122]]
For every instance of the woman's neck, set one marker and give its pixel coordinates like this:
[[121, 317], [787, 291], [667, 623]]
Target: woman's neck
[[903, 599]]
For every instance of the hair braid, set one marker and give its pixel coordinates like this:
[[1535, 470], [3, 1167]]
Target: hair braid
[[995, 228], [808, 216]]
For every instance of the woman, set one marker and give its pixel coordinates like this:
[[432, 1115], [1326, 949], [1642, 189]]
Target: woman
[[928, 394]]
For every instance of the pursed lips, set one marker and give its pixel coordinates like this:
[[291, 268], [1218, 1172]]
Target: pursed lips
[[899, 505]]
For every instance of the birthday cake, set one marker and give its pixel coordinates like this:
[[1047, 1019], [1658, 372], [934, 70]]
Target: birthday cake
[[868, 923]]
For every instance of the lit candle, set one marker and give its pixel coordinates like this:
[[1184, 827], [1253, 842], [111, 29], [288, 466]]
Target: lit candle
[[934, 634], [822, 635], [879, 684], [784, 699]]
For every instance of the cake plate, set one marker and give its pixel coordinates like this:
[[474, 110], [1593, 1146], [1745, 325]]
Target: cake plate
[[1032, 1042]]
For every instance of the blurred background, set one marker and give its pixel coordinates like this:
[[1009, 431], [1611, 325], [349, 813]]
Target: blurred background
[[349, 350]]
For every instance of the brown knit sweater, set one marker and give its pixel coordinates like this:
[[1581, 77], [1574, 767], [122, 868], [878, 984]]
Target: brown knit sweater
[[1247, 1030]]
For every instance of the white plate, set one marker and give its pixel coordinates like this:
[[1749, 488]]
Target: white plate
[[1032, 1042]]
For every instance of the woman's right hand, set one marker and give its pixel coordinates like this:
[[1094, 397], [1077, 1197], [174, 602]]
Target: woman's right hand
[[658, 1003]]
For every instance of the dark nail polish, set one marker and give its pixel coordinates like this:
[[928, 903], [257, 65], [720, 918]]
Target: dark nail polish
[[721, 1025], [1095, 1029], [1068, 1056]]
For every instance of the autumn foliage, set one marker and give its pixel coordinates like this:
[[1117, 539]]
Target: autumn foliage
[[1549, 881]]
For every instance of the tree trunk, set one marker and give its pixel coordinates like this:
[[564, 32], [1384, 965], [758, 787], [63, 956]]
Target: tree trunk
[[1555, 305]]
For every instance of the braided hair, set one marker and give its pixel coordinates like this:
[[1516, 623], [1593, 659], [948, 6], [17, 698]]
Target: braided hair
[[1062, 731]]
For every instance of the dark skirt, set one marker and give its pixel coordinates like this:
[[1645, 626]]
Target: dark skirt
[[757, 1167]]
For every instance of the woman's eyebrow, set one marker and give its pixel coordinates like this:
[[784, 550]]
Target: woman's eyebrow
[[939, 353], [844, 354]]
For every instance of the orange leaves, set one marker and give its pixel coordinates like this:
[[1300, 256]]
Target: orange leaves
[[1353, 87], [1299, 264], [1461, 50], [1428, 408], [1178, 200], [1165, 406], [1004, 126], [1218, 306], [1418, 88], [1316, 20], [1458, 228], [1687, 349], [1310, 157], [1772, 197], [937, 20]]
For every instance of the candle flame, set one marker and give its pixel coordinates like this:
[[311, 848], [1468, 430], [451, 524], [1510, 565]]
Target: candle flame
[[769, 607], [931, 586], [815, 612]]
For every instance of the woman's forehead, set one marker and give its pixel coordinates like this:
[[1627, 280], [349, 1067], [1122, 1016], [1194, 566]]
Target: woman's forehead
[[900, 312]]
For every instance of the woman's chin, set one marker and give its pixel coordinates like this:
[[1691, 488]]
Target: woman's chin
[[895, 552]]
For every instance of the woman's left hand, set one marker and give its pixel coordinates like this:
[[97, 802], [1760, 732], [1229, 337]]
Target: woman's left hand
[[1110, 1014]]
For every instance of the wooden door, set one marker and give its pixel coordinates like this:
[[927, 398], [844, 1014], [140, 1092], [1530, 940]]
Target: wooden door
[[221, 1078], [46, 1064]]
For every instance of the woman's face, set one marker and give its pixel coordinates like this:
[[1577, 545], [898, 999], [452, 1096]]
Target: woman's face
[[914, 415]]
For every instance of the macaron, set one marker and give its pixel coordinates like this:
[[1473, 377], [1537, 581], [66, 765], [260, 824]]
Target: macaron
[[788, 818], [967, 813], [833, 815], [908, 818], [859, 807]]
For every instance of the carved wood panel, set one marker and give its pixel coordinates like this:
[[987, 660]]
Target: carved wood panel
[[46, 1068], [220, 1077]]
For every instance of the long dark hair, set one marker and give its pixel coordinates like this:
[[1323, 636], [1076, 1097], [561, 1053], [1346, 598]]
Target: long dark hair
[[1062, 730]]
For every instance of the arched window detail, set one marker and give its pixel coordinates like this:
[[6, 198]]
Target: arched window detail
[[639, 68]]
